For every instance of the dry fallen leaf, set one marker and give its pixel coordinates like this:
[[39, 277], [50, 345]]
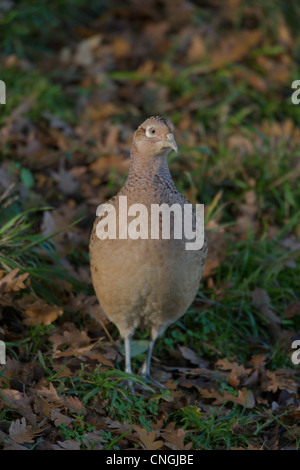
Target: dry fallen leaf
[[262, 302], [74, 404], [71, 444], [92, 440], [9, 370], [255, 80], [106, 163], [67, 184], [21, 433], [50, 394], [13, 282], [236, 371], [231, 49], [245, 397], [18, 401], [9, 443], [85, 52], [196, 50], [147, 438], [38, 311], [292, 310], [258, 361], [191, 356], [240, 143], [42, 407], [174, 438], [234, 48], [59, 418], [71, 336], [89, 305], [247, 220], [281, 379], [15, 398]]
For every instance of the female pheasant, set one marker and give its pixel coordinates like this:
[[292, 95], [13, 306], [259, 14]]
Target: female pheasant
[[146, 282]]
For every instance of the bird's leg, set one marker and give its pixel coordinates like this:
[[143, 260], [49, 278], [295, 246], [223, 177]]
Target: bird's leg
[[127, 344], [145, 369]]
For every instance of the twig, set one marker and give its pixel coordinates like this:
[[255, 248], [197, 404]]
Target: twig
[[108, 333]]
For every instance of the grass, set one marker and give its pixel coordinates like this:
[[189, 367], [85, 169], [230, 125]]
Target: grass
[[230, 429], [30, 252], [120, 402], [29, 19], [231, 324], [215, 429], [42, 94], [78, 431]]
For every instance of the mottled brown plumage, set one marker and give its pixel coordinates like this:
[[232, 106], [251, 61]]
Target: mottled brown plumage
[[146, 283]]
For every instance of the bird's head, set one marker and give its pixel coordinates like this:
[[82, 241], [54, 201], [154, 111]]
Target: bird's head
[[154, 137]]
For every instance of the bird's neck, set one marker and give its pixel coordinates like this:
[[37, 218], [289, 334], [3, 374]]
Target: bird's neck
[[144, 168]]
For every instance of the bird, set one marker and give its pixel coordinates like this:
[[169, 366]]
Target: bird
[[146, 283]]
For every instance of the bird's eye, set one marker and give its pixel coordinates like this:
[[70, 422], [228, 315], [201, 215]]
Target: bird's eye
[[150, 132]]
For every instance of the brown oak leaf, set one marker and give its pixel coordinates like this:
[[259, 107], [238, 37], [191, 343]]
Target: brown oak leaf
[[147, 439]]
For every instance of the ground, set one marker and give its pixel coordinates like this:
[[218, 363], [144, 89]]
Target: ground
[[79, 79]]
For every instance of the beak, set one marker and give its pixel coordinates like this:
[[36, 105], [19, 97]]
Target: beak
[[171, 142]]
